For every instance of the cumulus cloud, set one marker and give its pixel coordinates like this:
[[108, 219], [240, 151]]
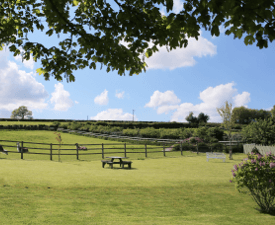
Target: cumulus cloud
[[113, 114], [181, 57], [164, 102], [241, 99], [120, 94], [216, 96], [212, 98], [61, 98], [18, 87], [102, 99]]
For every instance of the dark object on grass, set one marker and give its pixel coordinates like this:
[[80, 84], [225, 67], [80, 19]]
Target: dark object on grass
[[3, 150]]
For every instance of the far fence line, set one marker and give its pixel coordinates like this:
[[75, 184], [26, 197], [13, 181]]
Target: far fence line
[[262, 149], [103, 149]]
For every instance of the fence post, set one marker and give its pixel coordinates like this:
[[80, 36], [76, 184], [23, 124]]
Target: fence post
[[22, 150], [181, 148], [124, 149], [51, 152], [102, 151], [145, 150], [76, 145], [163, 149], [197, 148]]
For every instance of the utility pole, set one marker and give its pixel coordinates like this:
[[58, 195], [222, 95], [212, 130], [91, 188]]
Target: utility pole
[[133, 115]]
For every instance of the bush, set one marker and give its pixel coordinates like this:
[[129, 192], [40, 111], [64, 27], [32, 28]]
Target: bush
[[203, 147], [257, 175], [193, 140], [260, 132], [130, 132], [185, 147], [149, 132], [169, 133], [217, 147]]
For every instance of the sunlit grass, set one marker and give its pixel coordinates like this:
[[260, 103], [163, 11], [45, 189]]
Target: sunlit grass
[[26, 122], [158, 190]]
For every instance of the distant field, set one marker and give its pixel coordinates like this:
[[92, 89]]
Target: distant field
[[27, 122]]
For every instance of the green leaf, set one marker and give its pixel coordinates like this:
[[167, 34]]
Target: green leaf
[[75, 2], [40, 71], [249, 40]]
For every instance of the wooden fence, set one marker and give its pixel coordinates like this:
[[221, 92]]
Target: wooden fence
[[102, 149]]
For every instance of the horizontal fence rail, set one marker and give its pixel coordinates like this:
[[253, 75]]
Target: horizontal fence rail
[[99, 150], [103, 149]]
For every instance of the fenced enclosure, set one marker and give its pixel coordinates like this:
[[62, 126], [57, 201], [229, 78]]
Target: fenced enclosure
[[49, 151], [262, 149]]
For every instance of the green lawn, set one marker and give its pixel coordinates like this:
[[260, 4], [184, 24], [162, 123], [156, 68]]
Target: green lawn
[[158, 190]]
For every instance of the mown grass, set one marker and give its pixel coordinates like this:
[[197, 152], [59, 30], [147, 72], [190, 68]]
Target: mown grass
[[162, 190]]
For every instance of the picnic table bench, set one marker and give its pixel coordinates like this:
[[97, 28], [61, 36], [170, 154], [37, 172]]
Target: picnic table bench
[[215, 155], [121, 162]]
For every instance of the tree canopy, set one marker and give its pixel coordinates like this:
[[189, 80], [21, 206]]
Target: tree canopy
[[260, 132], [96, 31], [21, 113], [243, 115], [201, 119]]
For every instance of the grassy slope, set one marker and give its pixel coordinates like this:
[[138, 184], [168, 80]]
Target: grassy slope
[[171, 190]]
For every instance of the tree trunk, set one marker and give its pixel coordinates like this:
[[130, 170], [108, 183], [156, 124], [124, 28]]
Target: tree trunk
[[230, 150]]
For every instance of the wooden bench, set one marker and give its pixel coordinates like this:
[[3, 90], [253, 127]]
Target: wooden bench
[[215, 155], [126, 163], [105, 162]]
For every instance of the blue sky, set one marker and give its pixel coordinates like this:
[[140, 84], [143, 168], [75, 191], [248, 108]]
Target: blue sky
[[199, 78]]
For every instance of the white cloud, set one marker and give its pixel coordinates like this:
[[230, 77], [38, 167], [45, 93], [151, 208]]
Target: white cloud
[[212, 98], [178, 6], [113, 114], [241, 99], [102, 99], [61, 98], [181, 57], [216, 96], [18, 87], [164, 102], [120, 94], [160, 99]]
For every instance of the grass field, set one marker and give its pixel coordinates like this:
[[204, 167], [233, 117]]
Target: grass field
[[158, 190], [26, 122]]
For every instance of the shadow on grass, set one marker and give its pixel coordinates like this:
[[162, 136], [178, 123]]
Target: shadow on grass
[[271, 213], [120, 168]]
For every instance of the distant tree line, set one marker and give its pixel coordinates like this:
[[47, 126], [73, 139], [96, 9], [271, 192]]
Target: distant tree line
[[242, 115]]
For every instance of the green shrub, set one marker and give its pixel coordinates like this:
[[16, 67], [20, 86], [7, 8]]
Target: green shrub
[[203, 147], [217, 147], [169, 133], [185, 147], [130, 132], [149, 132]]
